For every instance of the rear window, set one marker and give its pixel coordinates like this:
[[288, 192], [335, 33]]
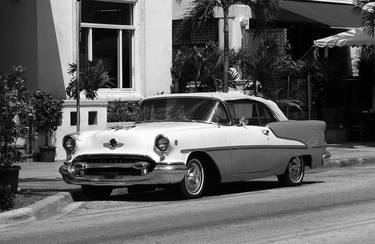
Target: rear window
[[250, 112]]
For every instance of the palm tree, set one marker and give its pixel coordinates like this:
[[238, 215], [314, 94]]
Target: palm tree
[[366, 9], [203, 10]]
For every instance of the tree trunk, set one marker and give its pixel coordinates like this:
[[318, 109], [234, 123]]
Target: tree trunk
[[226, 48]]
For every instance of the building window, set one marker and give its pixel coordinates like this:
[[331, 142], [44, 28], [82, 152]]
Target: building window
[[107, 35], [73, 118], [93, 118]]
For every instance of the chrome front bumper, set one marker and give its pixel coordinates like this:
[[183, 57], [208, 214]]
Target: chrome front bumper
[[162, 174]]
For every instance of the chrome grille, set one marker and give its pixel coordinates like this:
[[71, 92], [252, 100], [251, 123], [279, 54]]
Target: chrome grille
[[112, 172], [113, 159], [112, 166]]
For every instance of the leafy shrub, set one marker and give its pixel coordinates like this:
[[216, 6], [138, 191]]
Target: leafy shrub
[[203, 67], [6, 198], [15, 107], [92, 77], [48, 113], [121, 111]]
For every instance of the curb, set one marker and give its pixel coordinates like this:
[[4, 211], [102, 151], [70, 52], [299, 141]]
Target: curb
[[347, 162], [42, 209]]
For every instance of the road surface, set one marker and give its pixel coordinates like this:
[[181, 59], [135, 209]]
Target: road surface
[[333, 206]]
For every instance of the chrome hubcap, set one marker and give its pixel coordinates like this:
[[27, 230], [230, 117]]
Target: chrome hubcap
[[295, 170], [194, 177]]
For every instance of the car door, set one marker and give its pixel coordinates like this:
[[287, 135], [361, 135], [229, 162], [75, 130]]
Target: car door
[[250, 138]]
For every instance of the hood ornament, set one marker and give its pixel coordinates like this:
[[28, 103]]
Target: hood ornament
[[113, 144]]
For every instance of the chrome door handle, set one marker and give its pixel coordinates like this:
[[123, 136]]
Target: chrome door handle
[[265, 132]]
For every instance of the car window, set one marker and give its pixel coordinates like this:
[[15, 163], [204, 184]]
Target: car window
[[265, 114], [251, 112], [220, 116], [183, 109]]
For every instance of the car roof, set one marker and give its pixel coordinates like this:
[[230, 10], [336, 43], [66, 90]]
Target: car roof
[[233, 95], [230, 96]]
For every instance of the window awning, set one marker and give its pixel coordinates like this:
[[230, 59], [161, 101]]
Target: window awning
[[333, 15]]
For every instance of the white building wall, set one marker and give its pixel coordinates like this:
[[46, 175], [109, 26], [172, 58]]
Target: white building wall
[[56, 49], [55, 44], [100, 107], [237, 15], [42, 36], [158, 46]]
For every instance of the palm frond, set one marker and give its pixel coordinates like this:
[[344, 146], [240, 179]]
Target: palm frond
[[366, 10], [92, 77], [290, 103]]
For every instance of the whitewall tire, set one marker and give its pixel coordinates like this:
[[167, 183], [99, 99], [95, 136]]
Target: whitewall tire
[[194, 182], [294, 173]]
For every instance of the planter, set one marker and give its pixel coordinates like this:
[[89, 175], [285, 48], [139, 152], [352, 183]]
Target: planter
[[9, 177], [47, 154]]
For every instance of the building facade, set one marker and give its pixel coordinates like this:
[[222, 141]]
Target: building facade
[[131, 38], [340, 99]]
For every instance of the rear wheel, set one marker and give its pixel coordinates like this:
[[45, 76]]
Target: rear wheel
[[97, 192], [294, 173], [194, 182]]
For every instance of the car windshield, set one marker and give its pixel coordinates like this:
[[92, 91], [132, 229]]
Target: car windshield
[[182, 109]]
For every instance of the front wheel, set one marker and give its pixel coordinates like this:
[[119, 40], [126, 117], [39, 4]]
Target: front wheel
[[97, 192], [194, 182], [293, 174]]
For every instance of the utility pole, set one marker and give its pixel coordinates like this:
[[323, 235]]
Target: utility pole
[[309, 95], [78, 34]]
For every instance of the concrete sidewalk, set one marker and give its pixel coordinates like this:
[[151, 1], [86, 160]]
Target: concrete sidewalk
[[351, 154], [44, 176]]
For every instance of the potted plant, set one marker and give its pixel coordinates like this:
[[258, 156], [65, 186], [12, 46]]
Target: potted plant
[[14, 106], [48, 114]]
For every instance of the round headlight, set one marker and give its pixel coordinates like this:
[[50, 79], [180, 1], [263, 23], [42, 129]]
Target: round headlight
[[69, 144], [162, 143]]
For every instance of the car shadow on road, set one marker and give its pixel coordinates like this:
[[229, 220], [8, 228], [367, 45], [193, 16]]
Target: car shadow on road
[[249, 186], [162, 195]]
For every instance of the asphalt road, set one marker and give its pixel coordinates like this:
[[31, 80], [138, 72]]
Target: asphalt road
[[334, 206]]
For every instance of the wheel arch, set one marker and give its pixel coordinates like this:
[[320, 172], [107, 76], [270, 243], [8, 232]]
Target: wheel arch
[[214, 174]]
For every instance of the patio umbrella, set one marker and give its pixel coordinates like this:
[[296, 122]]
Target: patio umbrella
[[353, 37]]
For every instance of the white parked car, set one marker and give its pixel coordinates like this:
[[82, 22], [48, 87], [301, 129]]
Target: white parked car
[[192, 140]]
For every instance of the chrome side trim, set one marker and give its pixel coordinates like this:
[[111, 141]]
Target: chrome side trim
[[206, 149], [209, 149], [270, 147]]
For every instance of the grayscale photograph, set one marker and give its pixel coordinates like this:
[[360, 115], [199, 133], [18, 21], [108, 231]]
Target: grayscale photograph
[[187, 121]]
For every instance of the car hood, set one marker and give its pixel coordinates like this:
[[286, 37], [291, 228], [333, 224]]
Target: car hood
[[137, 139]]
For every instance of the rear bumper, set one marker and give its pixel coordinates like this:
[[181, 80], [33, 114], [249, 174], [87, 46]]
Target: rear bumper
[[162, 174]]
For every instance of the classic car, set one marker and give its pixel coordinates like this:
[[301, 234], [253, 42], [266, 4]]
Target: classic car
[[190, 141]]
